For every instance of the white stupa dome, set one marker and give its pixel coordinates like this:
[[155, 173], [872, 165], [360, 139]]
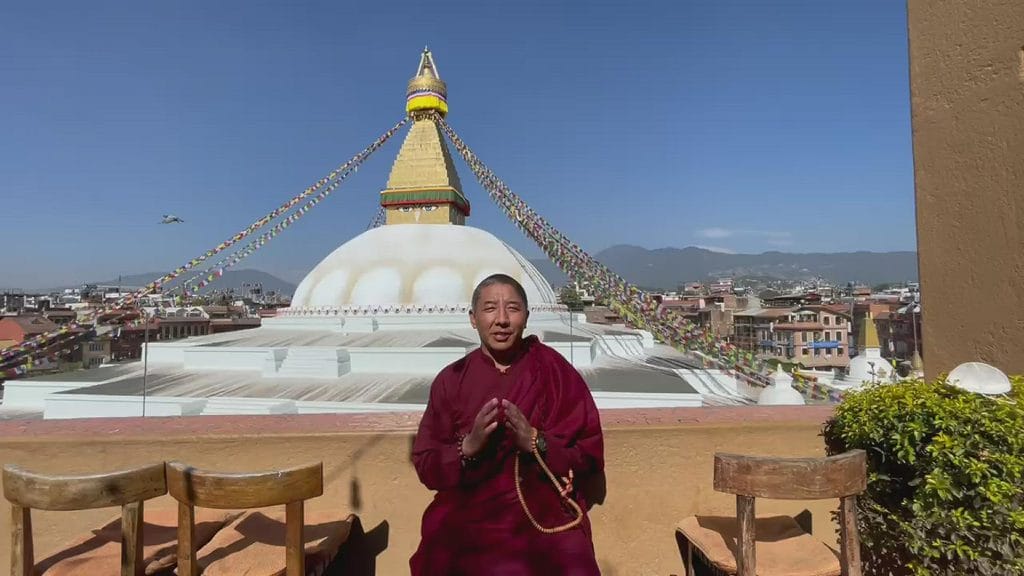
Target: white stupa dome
[[416, 265], [868, 366], [780, 392]]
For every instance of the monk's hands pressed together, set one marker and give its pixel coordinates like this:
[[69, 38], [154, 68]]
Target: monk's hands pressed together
[[486, 422], [519, 426]]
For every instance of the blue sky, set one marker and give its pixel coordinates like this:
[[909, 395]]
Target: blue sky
[[741, 125]]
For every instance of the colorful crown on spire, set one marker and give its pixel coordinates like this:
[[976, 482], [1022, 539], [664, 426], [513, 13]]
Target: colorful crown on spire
[[426, 91]]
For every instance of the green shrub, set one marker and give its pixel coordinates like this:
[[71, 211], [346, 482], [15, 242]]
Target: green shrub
[[945, 478]]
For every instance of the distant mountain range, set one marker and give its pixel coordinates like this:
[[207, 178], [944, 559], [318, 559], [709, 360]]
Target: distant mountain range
[[667, 268], [232, 279], [664, 268]]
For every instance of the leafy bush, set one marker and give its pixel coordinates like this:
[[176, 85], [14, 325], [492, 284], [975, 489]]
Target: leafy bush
[[945, 478]]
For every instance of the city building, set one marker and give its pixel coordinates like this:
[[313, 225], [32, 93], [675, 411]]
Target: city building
[[60, 316], [812, 336], [17, 329], [899, 332], [12, 302], [68, 349], [96, 352], [793, 299]]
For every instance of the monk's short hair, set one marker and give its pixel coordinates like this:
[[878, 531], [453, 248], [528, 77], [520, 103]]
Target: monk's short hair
[[504, 280]]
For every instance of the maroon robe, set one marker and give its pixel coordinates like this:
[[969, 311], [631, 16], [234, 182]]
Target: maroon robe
[[476, 525]]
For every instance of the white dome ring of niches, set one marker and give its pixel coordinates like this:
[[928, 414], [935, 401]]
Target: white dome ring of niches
[[415, 264]]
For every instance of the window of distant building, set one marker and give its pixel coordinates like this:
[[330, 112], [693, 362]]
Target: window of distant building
[[839, 320], [803, 352], [839, 352], [828, 336], [839, 336], [825, 320], [817, 351]]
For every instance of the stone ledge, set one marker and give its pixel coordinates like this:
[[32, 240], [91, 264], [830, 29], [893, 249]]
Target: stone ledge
[[100, 429]]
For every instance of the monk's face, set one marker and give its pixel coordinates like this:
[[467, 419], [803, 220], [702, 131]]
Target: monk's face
[[499, 317]]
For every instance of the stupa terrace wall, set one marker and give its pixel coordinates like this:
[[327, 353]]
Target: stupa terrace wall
[[659, 469]]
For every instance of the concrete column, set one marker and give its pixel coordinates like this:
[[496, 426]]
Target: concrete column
[[967, 99]]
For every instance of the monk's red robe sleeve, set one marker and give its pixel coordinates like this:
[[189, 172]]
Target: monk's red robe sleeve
[[573, 432], [435, 451]]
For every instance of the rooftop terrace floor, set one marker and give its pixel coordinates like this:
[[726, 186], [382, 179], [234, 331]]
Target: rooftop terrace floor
[[659, 469]]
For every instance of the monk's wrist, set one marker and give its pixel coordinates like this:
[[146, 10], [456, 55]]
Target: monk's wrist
[[538, 443], [466, 456]]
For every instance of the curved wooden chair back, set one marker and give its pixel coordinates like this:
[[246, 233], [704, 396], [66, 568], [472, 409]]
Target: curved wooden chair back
[[192, 487], [843, 476], [127, 489]]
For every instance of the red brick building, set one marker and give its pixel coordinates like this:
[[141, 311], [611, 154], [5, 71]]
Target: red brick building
[[899, 331], [17, 329]]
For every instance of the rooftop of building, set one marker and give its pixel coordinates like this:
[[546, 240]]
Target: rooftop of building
[[31, 324]]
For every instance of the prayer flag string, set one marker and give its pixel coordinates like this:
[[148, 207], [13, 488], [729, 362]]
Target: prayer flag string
[[15, 357], [636, 306], [379, 219]]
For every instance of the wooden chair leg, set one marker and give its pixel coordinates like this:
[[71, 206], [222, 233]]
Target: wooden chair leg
[[746, 561], [849, 538], [294, 542], [131, 540], [187, 562], [22, 560], [691, 570]]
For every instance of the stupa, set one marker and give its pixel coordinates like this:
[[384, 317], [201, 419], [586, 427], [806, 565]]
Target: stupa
[[418, 270], [780, 392], [371, 325], [868, 366]]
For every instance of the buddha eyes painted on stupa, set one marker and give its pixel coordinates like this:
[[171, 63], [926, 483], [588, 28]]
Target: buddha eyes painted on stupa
[[430, 208]]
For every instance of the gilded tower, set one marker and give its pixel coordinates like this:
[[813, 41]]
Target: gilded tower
[[868, 336], [424, 187]]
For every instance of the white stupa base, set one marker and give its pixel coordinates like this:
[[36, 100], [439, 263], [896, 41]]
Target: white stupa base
[[31, 394], [716, 383], [588, 342], [361, 320], [65, 406], [290, 367]]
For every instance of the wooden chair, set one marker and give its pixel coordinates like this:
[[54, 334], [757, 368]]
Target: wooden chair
[[247, 536], [727, 545], [128, 489]]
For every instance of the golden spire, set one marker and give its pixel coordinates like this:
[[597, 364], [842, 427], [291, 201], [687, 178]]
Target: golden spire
[[868, 333], [424, 187], [426, 91]]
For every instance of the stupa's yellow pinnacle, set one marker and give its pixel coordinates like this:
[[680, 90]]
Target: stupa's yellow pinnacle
[[869, 333], [424, 187], [427, 92]]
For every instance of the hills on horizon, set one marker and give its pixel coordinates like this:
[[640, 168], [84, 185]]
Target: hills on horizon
[[668, 268], [662, 268], [231, 279]]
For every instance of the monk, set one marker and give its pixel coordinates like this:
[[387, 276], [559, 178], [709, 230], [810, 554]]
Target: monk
[[511, 399]]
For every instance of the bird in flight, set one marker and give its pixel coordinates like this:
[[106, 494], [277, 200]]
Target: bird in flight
[[171, 219]]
